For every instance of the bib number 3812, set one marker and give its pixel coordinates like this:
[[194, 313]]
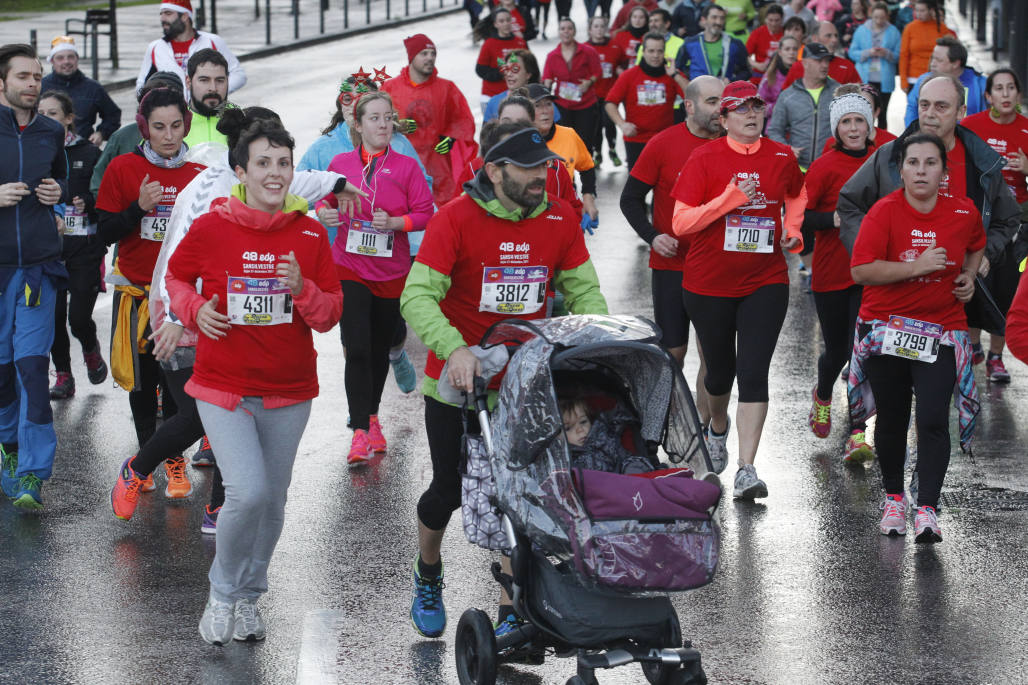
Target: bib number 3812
[[911, 339], [258, 301], [513, 289]]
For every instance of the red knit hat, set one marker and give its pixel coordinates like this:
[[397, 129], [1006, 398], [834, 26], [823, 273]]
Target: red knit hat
[[180, 6], [416, 44]]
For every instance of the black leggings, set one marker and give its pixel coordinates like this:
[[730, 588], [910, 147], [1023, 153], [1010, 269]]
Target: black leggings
[[893, 382], [83, 287], [605, 128], [738, 336], [584, 121], [632, 152], [368, 324], [444, 428], [837, 312], [563, 10], [143, 402]]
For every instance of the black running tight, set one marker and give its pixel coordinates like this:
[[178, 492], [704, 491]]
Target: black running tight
[[584, 121], [369, 325], [176, 433], [143, 402], [444, 428], [837, 312], [738, 336]]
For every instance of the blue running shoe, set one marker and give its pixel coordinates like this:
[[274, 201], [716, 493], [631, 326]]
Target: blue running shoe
[[28, 495], [508, 625], [8, 467], [403, 372], [427, 612]]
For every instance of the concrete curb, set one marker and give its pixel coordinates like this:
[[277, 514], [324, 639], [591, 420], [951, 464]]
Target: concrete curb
[[271, 50]]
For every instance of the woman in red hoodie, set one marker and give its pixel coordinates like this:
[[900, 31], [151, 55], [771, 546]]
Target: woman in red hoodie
[[268, 279]]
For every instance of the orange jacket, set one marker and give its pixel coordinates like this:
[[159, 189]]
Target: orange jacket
[[916, 47]]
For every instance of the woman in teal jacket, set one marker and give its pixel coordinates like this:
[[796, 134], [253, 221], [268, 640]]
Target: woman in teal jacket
[[875, 50]]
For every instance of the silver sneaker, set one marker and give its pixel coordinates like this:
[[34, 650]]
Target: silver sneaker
[[717, 448], [217, 623], [747, 485], [249, 624]]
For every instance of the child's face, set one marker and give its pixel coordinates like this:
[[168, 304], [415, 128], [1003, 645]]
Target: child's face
[[577, 425]]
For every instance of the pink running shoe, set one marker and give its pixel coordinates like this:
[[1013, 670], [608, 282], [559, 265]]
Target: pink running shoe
[[894, 516], [996, 370], [820, 418], [360, 448], [378, 441], [926, 525]]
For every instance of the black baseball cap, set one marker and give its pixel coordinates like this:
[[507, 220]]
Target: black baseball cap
[[816, 51], [537, 91], [526, 148]]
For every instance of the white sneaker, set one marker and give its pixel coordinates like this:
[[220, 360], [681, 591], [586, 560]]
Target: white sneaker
[[748, 485], [894, 517], [926, 525], [249, 624], [717, 447], [217, 623]]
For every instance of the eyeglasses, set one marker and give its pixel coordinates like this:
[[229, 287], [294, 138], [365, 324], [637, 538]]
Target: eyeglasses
[[755, 106]]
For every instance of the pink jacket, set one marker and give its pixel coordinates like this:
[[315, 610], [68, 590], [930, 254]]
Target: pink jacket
[[394, 183]]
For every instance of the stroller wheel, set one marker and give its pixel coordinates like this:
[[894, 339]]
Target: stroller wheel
[[661, 674], [476, 649]]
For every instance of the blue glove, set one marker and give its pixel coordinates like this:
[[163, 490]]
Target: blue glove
[[589, 223]]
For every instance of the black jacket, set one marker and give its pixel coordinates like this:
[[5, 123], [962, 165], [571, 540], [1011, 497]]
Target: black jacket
[[82, 157], [90, 100]]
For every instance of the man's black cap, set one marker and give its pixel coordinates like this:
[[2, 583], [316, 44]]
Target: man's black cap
[[526, 148], [816, 51]]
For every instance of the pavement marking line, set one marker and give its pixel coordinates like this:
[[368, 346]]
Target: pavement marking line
[[319, 645]]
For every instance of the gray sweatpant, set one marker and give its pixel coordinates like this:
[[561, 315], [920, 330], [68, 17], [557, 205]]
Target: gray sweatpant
[[256, 448]]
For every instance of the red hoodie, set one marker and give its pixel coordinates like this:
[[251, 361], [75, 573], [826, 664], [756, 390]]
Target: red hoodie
[[269, 350]]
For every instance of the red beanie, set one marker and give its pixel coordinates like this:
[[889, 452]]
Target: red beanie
[[416, 44]]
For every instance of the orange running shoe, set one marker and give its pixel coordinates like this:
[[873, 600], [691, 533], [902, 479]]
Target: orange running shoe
[[360, 448], [148, 484], [125, 493], [178, 482], [375, 437]]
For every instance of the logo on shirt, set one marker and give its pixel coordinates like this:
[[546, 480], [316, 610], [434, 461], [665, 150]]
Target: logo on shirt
[[310, 233], [961, 211], [511, 252], [255, 261], [759, 200], [553, 216]]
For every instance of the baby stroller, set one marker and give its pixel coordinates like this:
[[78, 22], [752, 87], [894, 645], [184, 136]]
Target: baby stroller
[[593, 553]]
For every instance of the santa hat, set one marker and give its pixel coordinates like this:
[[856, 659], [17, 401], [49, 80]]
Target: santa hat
[[180, 6], [416, 44], [61, 44]]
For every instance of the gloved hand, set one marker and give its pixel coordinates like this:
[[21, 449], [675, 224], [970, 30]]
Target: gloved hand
[[407, 126], [445, 145], [589, 223]]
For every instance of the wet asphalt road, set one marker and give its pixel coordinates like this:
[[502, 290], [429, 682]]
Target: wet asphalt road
[[807, 592]]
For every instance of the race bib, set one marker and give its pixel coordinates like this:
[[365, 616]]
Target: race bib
[[911, 339], [513, 289], [745, 233], [154, 225], [364, 240], [258, 301], [569, 91], [651, 94], [76, 223], [607, 69]]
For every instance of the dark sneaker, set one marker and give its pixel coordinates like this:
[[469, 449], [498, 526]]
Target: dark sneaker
[[63, 387], [8, 468], [427, 612], [28, 495], [96, 367], [205, 455], [614, 159], [996, 371], [209, 526], [977, 354]]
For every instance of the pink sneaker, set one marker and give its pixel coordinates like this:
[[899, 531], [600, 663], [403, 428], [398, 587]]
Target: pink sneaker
[[360, 448], [894, 516], [378, 441], [820, 418], [926, 525]]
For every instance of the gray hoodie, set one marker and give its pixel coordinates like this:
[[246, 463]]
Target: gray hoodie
[[798, 121]]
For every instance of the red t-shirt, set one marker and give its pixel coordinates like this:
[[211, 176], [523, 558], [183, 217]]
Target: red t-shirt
[[1006, 139], [629, 46], [709, 269], [493, 50], [840, 70], [762, 44], [649, 102], [137, 252], [611, 56], [894, 231], [585, 64], [480, 252], [955, 181], [273, 359], [658, 166], [825, 178], [181, 50]]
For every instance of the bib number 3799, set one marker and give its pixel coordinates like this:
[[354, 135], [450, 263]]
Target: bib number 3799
[[911, 339]]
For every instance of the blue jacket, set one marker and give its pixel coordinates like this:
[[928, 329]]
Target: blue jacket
[[862, 42], [692, 61], [974, 94], [28, 230], [90, 100], [492, 108]]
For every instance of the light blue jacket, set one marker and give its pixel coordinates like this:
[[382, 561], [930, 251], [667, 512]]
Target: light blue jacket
[[974, 94], [862, 43], [323, 150]]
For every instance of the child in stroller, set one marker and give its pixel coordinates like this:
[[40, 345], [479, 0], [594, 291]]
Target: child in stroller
[[594, 439]]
